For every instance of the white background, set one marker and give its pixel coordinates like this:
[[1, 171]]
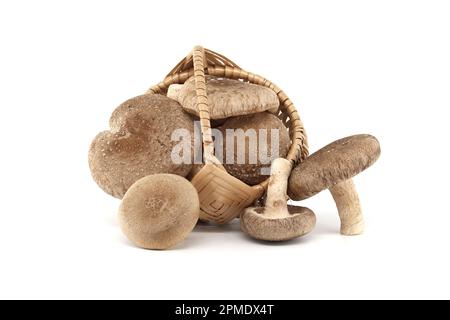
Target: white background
[[379, 67]]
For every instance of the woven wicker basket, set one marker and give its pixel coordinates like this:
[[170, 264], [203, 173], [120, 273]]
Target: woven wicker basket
[[222, 196]]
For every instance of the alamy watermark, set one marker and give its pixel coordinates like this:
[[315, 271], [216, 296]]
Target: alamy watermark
[[234, 146]]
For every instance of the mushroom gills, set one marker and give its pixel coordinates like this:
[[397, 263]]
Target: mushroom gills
[[277, 221]]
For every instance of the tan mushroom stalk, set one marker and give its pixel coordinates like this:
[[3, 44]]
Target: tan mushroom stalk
[[333, 168], [277, 221], [349, 207]]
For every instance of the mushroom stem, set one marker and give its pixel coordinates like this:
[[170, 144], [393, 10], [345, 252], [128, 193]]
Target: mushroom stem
[[277, 221], [349, 208], [276, 202]]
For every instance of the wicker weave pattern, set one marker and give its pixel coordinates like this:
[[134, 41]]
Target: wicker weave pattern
[[202, 104], [223, 197], [227, 69]]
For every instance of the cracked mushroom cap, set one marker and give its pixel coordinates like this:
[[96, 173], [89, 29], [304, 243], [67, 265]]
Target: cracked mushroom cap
[[227, 97], [159, 211], [335, 163], [139, 143], [261, 225], [249, 170]]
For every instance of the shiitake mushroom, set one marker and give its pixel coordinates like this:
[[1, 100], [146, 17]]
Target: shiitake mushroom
[[139, 143], [159, 211], [257, 153]]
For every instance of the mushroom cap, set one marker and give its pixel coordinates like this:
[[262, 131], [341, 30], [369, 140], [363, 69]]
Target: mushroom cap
[[226, 97], [248, 172], [139, 143], [174, 91], [261, 226], [335, 163], [159, 211]]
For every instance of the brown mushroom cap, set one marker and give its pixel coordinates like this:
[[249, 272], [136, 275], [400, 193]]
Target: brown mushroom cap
[[139, 143], [248, 172], [159, 211], [260, 225], [336, 162], [226, 97]]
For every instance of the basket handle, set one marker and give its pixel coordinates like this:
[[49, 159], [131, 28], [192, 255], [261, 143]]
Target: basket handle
[[202, 104]]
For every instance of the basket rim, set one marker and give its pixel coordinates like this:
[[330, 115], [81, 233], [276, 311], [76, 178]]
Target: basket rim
[[220, 66]]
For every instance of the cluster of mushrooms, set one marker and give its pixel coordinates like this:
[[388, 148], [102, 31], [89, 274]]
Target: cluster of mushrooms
[[160, 206]]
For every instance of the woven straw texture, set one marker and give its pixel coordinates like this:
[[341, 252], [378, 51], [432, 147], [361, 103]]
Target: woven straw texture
[[222, 196]]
